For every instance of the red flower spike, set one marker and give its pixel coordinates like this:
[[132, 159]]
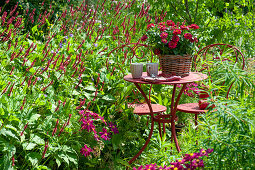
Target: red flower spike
[[45, 148]]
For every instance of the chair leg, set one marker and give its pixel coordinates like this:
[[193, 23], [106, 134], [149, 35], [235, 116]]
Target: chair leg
[[196, 121], [159, 128]]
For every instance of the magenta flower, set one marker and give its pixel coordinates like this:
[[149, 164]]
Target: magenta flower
[[170, 23], [172, 44], [177, 31], [156, 51], [194, 26], [87, 124], [188, 36], [144, 38], [86, 151], [175, 38], [163, 35], [105, 135], [113, 128], [164, 41]]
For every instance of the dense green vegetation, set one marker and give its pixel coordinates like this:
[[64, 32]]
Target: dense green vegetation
[[63, 101]]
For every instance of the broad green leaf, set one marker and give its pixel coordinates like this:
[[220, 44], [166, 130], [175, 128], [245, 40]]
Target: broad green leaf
[[28, 146], [36, 139], [64, 157], [33, 157], [8, 133], [90, 88], [34, 117], [109, 98], [58, 162]]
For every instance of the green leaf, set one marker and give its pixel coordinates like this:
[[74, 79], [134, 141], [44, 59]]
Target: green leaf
[[64, 157], [33, 157], [123, 162], [58, 162], [1, 110], [73, 159], [109, 98], [36, 139], [34, 29], [28, 146], [90, 88], [8, 133], [34, 117], [75, 92]]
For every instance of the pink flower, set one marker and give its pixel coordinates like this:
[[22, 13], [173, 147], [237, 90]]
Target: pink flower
[[163, 35], [164, 41], [172, 44], [105, 135], [150, 26], [177, 31], [156, 51], [170, 23], [183, 27], [162, 23], [144, 38], [175, 38], [188, 36], [194, 26], [113, 128], [86, 151], [162, 28], [87, 124]]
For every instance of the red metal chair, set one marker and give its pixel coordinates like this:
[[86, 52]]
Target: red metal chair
[[208, 60]]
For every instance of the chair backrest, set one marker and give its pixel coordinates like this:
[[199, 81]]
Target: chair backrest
[[213, 58]]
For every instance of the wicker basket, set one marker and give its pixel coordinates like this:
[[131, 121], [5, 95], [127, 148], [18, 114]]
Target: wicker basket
[[175, 64]]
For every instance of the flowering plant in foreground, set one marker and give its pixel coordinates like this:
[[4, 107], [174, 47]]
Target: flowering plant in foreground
[[189, 162], [89, 122], [168, 38]]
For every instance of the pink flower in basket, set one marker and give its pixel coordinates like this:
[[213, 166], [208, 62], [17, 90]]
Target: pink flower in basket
[[168, 38]]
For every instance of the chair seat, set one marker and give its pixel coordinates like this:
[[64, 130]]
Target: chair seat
[[190, 108], [143, 108]]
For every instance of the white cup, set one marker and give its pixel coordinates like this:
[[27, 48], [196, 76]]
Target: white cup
[[136, 70], [152, 69]]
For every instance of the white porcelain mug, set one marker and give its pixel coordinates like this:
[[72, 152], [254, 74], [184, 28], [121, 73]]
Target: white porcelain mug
[[152, 69], [136, 70]]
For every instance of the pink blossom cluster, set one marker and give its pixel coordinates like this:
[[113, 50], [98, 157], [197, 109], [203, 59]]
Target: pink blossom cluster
[[190, 89], [189, 162], [171, 33], [88, 123]]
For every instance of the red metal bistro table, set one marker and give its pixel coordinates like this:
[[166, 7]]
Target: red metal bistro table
[[165, 118]]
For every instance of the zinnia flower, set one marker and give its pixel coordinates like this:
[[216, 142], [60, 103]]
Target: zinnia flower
[[183, 27], [156, 51], [164, 41], [177, 31], [163, 35], [172, 44], [194, 26], [150, 26], [188, 36], [170, 23], [175, 38], [162, 28]]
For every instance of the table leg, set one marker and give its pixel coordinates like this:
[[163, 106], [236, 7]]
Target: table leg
[[173, 113], [152, 124]]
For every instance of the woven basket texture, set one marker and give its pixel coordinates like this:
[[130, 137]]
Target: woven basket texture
[[175, 64]]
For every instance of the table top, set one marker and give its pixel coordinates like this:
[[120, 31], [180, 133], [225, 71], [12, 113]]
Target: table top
[[192, 77]]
